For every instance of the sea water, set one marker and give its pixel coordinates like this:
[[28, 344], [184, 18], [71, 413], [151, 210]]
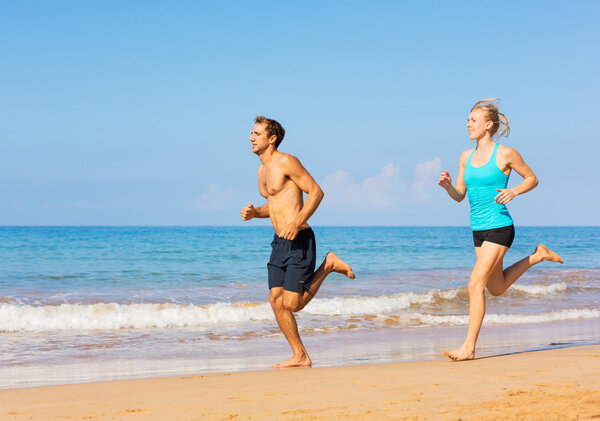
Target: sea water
[[82, 304]]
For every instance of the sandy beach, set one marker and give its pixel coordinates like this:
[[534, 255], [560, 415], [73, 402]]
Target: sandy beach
[[556, 384]]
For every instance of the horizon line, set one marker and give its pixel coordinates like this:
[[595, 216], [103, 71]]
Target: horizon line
[[265, 225]]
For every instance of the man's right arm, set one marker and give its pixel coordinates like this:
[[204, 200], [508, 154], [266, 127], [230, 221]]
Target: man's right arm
[[250, 212], [262, 212]]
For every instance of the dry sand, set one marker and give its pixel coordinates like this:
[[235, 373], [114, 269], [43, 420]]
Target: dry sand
[[558, 384]]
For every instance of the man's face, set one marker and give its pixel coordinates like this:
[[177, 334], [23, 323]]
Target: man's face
[[259, 138]]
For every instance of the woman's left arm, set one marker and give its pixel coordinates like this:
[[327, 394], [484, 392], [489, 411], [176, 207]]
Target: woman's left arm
[[514, 161]]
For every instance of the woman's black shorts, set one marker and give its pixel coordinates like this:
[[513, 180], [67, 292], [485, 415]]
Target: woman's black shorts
[[503, 236]]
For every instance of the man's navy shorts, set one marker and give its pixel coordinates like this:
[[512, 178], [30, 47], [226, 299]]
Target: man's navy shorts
[[292, 263]]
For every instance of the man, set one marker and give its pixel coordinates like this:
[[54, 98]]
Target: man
[[293, 282]]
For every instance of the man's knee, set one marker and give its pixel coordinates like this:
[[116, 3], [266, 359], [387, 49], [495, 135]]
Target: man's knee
[[291, 302], [276, 299], [292, 306]]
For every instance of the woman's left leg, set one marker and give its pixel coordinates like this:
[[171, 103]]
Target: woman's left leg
[[488, 264]]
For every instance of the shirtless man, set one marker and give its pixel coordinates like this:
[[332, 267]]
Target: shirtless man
[[293, 281]]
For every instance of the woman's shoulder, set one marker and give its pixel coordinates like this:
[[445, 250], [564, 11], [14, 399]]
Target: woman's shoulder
[[465, 154], [507, 151]]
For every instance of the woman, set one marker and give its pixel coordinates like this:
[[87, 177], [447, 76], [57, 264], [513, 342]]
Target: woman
[[483, 172]]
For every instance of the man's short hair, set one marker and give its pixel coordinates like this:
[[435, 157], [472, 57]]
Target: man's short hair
[[273, 128]]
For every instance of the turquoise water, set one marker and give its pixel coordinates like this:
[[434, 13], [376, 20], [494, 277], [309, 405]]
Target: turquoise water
[[117, 261], [134, 301]]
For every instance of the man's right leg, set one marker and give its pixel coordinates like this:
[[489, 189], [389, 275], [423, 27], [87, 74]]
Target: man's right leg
[[287, 324]]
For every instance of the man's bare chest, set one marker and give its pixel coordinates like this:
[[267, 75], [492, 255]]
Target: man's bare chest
[[274, 182]]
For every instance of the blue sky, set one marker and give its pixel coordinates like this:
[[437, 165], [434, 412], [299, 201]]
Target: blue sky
[[139, 113]]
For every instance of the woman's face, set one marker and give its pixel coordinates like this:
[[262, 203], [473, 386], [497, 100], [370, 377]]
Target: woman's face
[[478, 124]]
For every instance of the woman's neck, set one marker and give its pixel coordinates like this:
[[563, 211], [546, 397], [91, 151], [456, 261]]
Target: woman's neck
[[485, 142]]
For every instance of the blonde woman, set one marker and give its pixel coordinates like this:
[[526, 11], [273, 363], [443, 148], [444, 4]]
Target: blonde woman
[[483, 173]]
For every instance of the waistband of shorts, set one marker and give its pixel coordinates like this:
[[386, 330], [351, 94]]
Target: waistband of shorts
[[302, 232], [507, 227]]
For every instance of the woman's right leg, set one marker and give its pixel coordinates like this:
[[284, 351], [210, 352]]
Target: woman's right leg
[[500, 280]]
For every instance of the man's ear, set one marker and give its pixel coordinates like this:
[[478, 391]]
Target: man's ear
[[273, 139]]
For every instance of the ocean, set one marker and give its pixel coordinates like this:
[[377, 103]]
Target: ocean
[[82, 304]]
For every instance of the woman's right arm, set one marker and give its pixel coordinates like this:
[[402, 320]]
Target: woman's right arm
[[459, 191]]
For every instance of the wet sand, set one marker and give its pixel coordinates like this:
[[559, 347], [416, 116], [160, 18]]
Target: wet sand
[[556, 384]]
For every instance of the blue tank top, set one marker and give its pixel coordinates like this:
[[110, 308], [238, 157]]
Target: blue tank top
[[482, 183]]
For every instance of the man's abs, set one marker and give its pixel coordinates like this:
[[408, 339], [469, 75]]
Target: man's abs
[[283, 213]]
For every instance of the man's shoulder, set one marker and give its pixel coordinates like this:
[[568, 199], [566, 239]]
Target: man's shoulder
[[286, 159]]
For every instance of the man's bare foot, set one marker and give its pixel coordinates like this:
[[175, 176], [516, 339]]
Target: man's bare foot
[[302, 362], [545, 254], [335, 264], [461, 354]]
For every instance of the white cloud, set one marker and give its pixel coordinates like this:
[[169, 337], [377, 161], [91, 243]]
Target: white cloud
[[335, 186], [379, 191], [383, 190], [426, 176], [213, 198]]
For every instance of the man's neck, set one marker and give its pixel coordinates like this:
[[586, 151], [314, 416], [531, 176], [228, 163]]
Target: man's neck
[[267, 156]]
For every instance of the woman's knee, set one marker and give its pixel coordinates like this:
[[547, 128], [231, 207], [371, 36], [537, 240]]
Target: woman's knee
[[495, 291], [476, 285]]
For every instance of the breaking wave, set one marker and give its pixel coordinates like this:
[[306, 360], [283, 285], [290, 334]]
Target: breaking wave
[[537, 289], [414, 308]]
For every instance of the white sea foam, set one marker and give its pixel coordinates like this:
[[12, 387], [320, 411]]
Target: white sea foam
[[108, 316], [408, 306], [111, 316], [507, 319], [377, 305], [540, 289]]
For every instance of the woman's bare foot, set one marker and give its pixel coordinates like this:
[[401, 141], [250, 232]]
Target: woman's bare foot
[[545, 254], [461, 354], [303, 362], [335, 264]]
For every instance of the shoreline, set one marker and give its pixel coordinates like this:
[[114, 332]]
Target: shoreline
[[560, 383], [349, 348]]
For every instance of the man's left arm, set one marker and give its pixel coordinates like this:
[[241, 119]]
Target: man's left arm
[[301, 178]]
